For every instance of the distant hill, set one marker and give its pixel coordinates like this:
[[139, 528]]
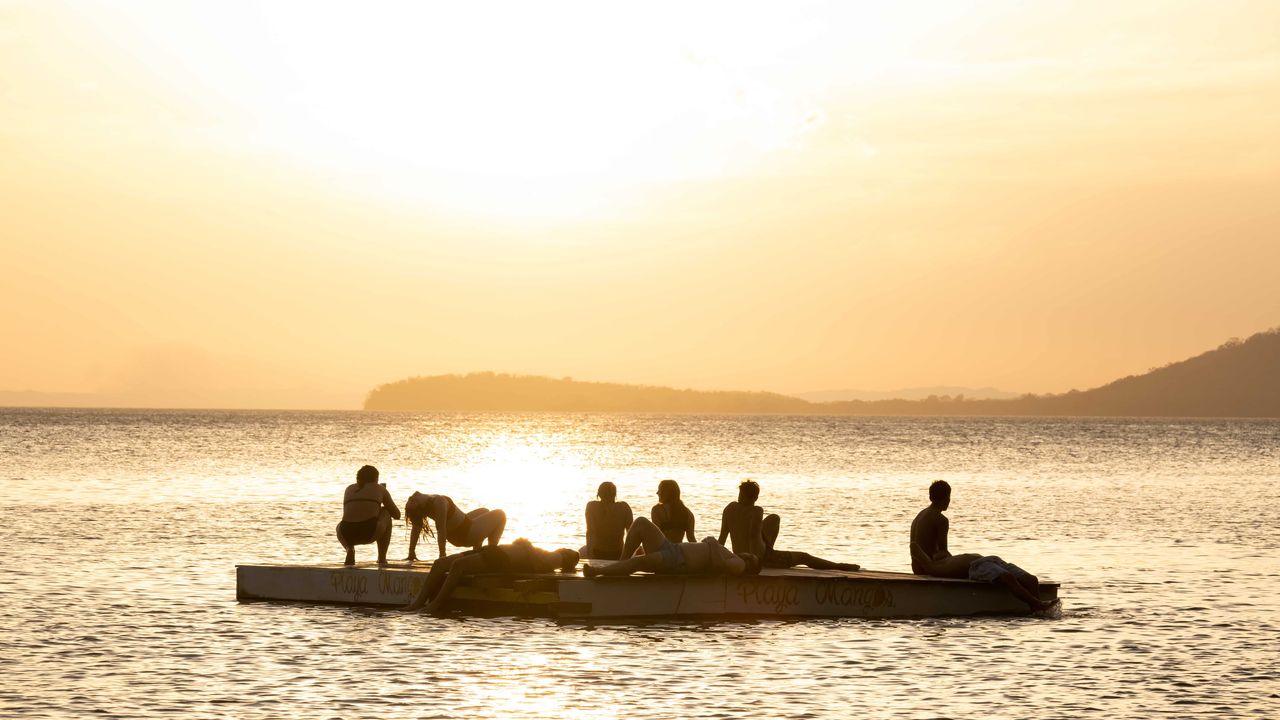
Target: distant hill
[[916, 393], [1239, 379], [487, 391]]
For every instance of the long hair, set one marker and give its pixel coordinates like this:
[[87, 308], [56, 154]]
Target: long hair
[[415, 513], [671, 489]]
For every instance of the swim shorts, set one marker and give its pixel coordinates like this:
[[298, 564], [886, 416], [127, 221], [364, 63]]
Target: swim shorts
[[990, 568], [672, 559], [361, 532]]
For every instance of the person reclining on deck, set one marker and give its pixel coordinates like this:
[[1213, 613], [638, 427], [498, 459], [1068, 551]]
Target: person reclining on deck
[[929, 554], [607, 523], [750, 530], [666, 557], [518, 557], [367, 512], [468, 530]]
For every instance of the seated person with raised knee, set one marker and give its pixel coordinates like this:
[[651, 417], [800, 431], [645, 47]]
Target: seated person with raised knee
[[750, 530], [663, 556], [930, 556], [367, 512], [741, 521]]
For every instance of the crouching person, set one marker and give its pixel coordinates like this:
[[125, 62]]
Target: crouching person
[[367, 512], [666, 557]]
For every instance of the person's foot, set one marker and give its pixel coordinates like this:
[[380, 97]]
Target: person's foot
[[351, 558], [589, 571], [850, 567], [382, 561]]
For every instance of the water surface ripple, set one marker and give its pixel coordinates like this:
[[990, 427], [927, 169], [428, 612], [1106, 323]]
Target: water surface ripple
[[123, 529]]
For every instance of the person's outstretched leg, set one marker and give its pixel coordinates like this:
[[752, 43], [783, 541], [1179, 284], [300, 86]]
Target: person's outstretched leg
[[649, 562], [1020, 592], [466, 566], [435, 579], [351, 550], [818, 563]]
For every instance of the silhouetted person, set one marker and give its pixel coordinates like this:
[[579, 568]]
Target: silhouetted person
[[670, 514], [518, 557], [750, 530], [741, 522], [663, 556], [607, 523], [468, 530], [367, 512], [929, 554]]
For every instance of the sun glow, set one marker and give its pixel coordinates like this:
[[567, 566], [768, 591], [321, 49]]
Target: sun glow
[[512, 111]]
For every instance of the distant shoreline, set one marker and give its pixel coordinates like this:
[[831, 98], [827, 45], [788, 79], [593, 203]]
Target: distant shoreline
[[1240, 379]]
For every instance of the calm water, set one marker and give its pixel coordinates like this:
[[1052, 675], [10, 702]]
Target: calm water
[[122, 529]]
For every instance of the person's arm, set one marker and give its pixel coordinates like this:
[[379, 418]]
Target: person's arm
[[689, 530], [943, 552], [440, 534], [389, 503], [724, 523], [755, 533], [591, 530]]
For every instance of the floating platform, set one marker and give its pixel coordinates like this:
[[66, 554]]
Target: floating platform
[[798, 592]]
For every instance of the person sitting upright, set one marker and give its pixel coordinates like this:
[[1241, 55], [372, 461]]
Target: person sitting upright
[[741, 522], [607, 523], [750, 530], [367, 512], [929, 554], [468, 530], [663, 556], [670, 514]]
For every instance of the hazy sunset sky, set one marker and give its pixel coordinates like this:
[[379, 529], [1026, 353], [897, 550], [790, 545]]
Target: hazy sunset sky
[[226, 200]]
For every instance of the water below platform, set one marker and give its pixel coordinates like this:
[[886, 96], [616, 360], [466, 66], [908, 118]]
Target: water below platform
[[122, 530]]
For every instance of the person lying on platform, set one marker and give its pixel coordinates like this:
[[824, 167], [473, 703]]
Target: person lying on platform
[[930, 556], [663, 556], [671, 514], [367, 512], [468, 530], [607, 523], [750, 530], [518, 557]]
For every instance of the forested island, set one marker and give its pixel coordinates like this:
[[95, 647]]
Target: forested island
[[1238, 379]]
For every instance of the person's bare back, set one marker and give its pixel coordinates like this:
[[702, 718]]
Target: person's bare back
[[742, 524], [929, 553]]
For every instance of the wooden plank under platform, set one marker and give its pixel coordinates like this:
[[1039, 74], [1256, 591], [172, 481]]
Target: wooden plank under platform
[[798, 592]]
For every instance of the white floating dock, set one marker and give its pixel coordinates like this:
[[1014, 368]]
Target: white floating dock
[[799, 592]]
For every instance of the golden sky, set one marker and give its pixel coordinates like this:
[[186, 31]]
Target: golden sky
[[288, 203]]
